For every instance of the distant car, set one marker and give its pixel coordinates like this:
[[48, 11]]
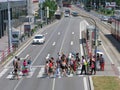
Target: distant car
[[111, 19], [74, 13], [38, 39], [104, 18], [66, 14]]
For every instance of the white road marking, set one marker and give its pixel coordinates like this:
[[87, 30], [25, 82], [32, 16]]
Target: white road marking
[[71, 43], [71, 75], [3, 72], [81, 48], [36, 66], [31, 73], [53, 86], [72, 32], [85, 83], [41, 72], [48, 56], [10, 76], [108, 55], [54, 43], [18, 84], [118, 68], [58, 33]]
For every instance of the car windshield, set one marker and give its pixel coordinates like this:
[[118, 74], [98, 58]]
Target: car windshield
[[38, 37]]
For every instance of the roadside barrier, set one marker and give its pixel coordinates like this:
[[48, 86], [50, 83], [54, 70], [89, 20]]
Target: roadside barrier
[[5, 53]]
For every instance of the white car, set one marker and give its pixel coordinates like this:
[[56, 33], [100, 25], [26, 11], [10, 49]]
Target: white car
[[66, 14], [39, 39]]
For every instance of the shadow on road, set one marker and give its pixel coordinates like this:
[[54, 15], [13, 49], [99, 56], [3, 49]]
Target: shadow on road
[[114, 42]]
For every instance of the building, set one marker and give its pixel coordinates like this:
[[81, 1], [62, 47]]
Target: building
[[17, 8]]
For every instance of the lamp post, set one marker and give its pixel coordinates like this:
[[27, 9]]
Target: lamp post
[[9, 27]]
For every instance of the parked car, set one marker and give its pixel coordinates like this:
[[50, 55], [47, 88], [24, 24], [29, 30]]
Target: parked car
[[38, 39]]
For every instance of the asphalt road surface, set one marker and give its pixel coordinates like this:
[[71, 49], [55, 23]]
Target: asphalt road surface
[[62, 36]]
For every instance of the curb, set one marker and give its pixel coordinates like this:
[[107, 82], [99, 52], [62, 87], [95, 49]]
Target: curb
[[91, 83], [21, 47]]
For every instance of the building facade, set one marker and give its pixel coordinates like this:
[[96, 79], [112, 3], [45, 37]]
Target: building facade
[[17, 9]]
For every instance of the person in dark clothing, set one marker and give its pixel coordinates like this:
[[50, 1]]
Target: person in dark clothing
[[92, 66], [83, 65]]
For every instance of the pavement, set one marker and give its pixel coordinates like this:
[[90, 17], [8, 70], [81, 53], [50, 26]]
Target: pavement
[[3, 43]]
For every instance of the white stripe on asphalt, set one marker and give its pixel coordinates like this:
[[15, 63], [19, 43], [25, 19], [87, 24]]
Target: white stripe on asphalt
[[72, 32], [41, 72], [85, 83], [53, 86], [54, 43], [31, 73], [10, 76], [118, 68], [48, 56], [81, 48], [71, 43], [58, 33], [108, 55], [3, 72]]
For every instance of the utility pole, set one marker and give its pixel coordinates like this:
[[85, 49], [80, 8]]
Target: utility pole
[[9, 28]]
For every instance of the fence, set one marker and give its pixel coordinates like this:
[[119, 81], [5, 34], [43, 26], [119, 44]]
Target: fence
[[6, 53]]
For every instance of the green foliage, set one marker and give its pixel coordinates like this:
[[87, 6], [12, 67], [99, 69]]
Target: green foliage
[[52, 7]]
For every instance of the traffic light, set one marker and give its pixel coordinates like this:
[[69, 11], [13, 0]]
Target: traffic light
[[93, 43], [99, 42]]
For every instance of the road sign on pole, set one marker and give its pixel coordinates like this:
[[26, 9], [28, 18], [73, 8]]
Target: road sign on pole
[[47, 12]]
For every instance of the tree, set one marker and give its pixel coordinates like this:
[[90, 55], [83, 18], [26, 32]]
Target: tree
[[52, 7]]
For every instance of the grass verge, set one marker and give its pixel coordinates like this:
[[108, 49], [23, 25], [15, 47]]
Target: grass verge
[[106, 83]]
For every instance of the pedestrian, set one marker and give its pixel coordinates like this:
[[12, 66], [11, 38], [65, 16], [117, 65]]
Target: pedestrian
[[16, 68], [29, 62], [14, 61], [25, 68], [92, 66], [50, 68], [98, 62], [46, 68], [102, 62], [84, 64]]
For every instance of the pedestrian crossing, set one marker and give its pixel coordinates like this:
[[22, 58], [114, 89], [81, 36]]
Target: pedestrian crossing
[[7, 73]]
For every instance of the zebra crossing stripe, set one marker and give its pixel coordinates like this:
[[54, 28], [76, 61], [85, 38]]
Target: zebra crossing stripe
[[41, 72], [31, 73], [10, 76], [3, 72]]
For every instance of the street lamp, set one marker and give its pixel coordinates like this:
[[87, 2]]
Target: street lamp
[[95, 34], [9, 27]]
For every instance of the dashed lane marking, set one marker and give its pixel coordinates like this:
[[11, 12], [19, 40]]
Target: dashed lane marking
[[48, 56], [54, 43], [58, 33], [72, 32], [71, 43]]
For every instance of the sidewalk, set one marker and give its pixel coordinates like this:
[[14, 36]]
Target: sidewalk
[[3, 43]]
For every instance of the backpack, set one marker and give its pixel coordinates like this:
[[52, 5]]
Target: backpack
[[29, 62], [14, 62], [92, 65]]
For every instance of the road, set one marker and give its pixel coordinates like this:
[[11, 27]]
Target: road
[[62, 36]]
